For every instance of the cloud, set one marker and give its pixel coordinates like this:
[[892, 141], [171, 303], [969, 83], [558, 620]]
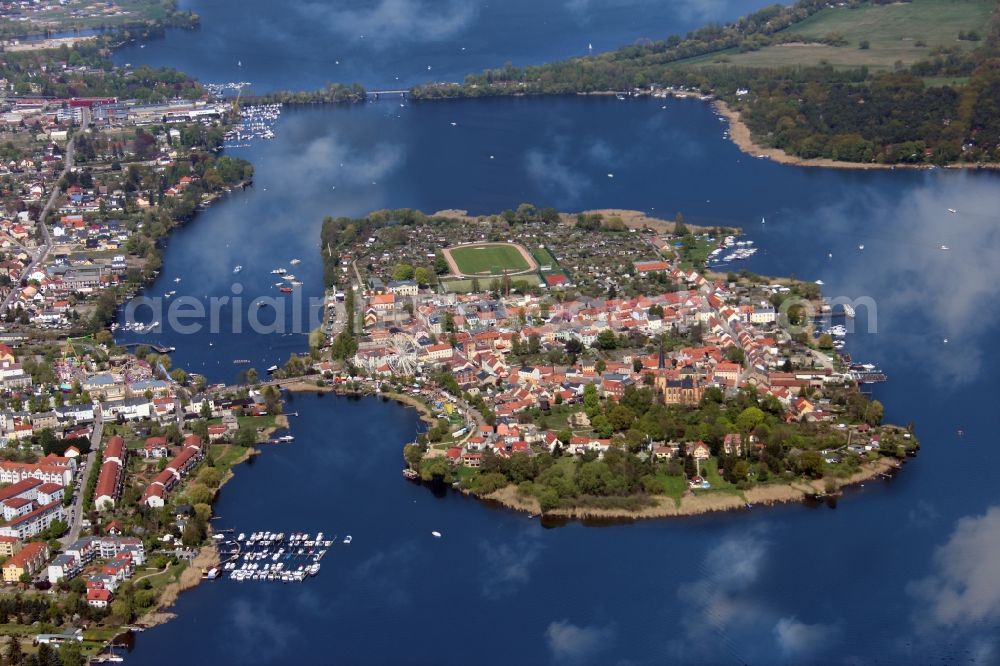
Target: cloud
[[551, 173], [380, 579], [964, 587], [260, 631], [797, 639], [924, 294], [600, 151], [572, 643], [507, 567], [390, 21], [686, 10], [719, 601]]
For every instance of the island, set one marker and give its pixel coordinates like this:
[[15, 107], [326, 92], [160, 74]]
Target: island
[[600, 364]]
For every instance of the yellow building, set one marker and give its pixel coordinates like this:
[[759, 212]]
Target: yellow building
[[9, 546], [29, 560]]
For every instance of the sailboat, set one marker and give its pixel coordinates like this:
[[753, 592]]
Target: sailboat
[[762, 220]]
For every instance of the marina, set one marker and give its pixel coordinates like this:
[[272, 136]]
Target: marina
[[256, 123], [272, 556], [729, 251]]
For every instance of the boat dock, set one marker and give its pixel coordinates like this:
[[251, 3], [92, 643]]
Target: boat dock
[[274, 556], [863, 377]]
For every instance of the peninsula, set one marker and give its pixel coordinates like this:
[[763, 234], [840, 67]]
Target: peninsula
[[860, 83], [563, 382]]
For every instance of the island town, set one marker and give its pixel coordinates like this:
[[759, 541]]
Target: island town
[[558, 380]]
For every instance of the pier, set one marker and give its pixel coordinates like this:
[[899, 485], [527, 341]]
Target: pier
[[159, 349]]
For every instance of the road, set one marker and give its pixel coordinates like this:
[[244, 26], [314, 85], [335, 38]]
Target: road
[[47, 242], [81, 481]]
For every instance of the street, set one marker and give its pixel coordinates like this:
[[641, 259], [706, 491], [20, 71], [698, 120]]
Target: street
[[47, 243], [80, 483]]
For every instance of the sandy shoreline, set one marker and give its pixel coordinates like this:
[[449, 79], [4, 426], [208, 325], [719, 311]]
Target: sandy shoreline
[[693, 505], [740, 135]]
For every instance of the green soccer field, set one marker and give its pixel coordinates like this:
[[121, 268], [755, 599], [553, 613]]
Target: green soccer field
[[489, 259]]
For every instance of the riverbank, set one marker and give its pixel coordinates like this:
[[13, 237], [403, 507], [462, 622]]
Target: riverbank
[[740, 134], [633, 219], [692, 504], [206, 558], [426, 415]]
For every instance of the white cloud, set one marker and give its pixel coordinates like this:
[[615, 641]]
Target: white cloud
[[798, 639], [964, 587], [261, 632], [551, 173], [925, 294], [388, 22], [506, 567], [572, 643], [687, 10]]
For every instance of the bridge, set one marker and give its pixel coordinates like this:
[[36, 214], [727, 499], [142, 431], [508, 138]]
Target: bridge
[[159, 349], [388, 93]]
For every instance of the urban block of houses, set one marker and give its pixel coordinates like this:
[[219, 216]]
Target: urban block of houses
[[71, 562], [29, 560], [156, 492], [112, 474]]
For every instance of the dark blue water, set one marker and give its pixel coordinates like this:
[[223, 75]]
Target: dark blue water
[[900, 572], [794, 584], [305, 44]]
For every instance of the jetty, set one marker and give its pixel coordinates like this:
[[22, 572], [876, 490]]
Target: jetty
[[275, 557]]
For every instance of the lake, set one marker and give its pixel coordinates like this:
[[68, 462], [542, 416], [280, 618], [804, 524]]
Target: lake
[[899, 572]]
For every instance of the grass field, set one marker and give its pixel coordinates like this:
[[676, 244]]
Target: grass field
[[489, 260], [905, 32], [464, 285], [544, 258]]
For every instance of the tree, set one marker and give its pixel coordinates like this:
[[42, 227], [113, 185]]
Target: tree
[[194, 533], [602, 426], [402, 272], [316, 338], [47, 656], [680, 229], [591, 402], [534, 343], [422, 275], [621, 417], [874, 412], [344, 346], [749, 418], [810, 463], [210, 476], [13, 652], [606, 339], [70, 654], [735, 354], [199, 493], [245, 437]]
